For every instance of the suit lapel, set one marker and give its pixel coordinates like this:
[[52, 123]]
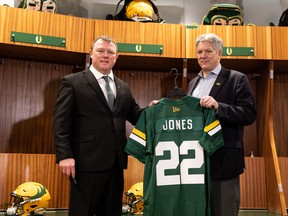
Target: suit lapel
[[88, 75], [221, 79], [192, 85]]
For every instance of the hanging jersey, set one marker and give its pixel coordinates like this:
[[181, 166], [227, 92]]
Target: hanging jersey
[[174, 139]]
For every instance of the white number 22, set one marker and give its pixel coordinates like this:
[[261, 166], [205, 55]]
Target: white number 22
[[174, 161]]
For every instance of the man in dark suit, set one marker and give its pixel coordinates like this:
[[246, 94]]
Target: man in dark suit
[[229, 93], [90, 136]]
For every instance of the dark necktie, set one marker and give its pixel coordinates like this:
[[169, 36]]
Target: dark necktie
[[110, 94]]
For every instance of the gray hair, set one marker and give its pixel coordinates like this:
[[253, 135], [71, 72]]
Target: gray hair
[[105, 38], [211, 38]]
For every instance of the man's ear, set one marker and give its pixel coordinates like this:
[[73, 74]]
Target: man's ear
[[220, 53]]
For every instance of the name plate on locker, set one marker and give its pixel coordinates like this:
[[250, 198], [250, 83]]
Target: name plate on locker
[[140, 48], [37, 39], [238, 51]]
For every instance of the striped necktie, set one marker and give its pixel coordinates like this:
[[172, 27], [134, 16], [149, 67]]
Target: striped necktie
[[110, 94]]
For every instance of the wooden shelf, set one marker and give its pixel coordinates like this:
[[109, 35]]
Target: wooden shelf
[[43, 54], [45, 24]]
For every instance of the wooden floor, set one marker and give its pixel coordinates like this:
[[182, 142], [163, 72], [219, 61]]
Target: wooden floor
[[242, 213]]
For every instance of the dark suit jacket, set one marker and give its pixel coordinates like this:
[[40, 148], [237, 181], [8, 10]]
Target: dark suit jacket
[[84, 126], [236, 109]]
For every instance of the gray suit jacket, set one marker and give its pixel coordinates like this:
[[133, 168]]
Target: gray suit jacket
[[236, 109], [86, 129]]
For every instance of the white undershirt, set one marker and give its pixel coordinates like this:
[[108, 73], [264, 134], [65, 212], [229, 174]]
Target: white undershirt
[[205, 85], [102, 82]]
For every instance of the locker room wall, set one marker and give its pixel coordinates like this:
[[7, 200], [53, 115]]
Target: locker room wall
[[29, 82]]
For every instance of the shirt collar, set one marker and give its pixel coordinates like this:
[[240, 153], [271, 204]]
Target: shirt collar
[[98, 74], [215, 71]]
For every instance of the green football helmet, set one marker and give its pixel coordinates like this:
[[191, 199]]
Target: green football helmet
[[223, 14]]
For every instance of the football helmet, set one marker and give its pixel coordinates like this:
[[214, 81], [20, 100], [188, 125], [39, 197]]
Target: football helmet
[[30, 198], [223, 14], [134, 200], [140, 10], [137, 10]]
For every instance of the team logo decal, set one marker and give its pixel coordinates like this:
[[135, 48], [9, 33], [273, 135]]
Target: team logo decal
[[138, 48], [175, 109], [229, 51], [40, 191], [38, 39]]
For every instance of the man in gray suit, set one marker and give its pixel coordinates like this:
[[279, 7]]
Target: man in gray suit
[[90, 136], [229, 93]]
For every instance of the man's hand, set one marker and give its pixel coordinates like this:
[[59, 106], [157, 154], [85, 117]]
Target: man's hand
[[209, 102], [153, 103], [67, 167]]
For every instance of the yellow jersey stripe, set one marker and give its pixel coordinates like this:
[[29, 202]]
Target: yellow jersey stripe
[[139, 133], [211, 126]]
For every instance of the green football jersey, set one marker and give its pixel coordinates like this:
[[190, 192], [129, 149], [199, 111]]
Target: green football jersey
[[175, 139]]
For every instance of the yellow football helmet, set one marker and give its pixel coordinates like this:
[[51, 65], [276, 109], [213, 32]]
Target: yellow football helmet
[[140, 10], [134, 200], [30, 198]]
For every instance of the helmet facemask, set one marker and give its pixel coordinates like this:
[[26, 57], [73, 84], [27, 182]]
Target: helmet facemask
[[15, 206], [134, 200]]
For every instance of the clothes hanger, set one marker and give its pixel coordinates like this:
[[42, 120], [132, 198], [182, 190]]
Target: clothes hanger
[[176, 92]]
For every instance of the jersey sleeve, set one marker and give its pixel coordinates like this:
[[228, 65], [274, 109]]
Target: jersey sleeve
[[136, 144], [212, 138]]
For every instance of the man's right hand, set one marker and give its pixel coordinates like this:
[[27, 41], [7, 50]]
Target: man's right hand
[[67, 167]]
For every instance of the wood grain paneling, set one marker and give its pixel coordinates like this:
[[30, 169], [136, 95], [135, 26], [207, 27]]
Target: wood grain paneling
[[263, 42], [280, 115], [280, 43], [253, 184], [89, 34], [28, 93], [258, 38], [19, 168], [171, 36], [283, 163], [250, 132], [275, 197], [133, 174], [37, 22]]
